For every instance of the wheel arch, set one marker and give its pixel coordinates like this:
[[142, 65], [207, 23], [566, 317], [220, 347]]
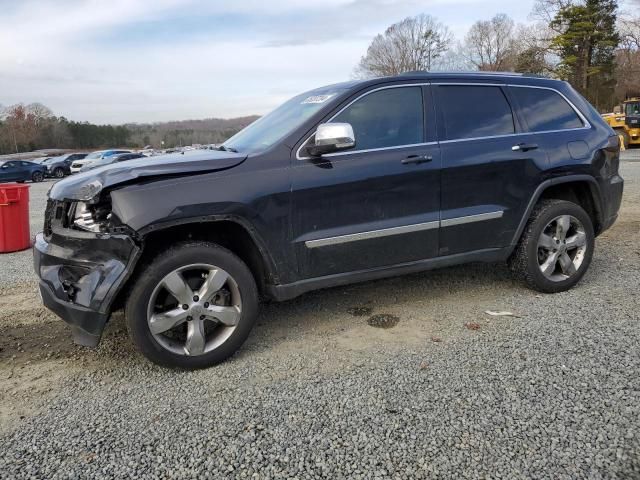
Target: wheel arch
[[580, 189], [230, 232]]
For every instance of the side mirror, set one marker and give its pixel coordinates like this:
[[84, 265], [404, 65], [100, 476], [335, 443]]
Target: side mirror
[[332, 137]]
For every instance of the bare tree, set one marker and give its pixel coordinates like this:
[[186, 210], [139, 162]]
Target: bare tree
[[489, 44], [628, 57], [415, 43], [531, 49], [39, 113]]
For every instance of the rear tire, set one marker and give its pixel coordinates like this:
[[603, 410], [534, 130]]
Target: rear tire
[[37, 177], [191, 265], [556, 247]]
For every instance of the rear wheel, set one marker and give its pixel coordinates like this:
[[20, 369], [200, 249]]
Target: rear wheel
[[58, 172], [193, 306], [556, 247], [37, 177]]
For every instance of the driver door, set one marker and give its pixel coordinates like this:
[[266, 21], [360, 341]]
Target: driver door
[[377, 204]]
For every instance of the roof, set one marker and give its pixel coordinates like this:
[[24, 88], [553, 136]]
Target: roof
[[490, 77]]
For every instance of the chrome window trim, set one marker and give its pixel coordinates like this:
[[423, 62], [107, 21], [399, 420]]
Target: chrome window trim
[[386, 87], [384, 232], [338, 154], [586, 123], [415, 227], [479, 217]]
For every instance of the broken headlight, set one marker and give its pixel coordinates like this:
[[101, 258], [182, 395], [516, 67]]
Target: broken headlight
[[91, 218]]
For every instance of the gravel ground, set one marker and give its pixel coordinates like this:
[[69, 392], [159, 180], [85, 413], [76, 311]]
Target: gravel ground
[[317, 392]]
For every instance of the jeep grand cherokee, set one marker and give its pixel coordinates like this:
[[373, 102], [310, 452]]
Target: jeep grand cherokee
[[346, 183]]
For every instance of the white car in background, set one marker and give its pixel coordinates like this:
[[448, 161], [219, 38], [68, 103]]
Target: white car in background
[[94, 157]]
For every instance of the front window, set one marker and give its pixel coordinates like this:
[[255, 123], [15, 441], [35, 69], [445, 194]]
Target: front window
[[266, 131], [390, 117]]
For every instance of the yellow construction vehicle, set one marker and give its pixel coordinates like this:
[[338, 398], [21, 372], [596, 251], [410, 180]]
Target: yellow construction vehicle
[[625, 120]]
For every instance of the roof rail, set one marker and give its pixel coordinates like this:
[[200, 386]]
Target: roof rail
[[473, 72]]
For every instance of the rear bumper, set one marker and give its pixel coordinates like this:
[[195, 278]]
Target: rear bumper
[[612, 193], [80, 274]]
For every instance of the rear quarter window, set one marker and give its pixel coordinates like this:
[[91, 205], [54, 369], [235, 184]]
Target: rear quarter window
[[545, 110]]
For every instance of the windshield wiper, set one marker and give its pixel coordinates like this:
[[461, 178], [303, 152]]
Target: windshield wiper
[[222, 148]]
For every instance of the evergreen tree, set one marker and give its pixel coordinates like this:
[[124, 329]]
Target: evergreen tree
[[586, 45]]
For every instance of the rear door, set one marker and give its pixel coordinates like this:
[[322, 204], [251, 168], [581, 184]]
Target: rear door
[[558, 127], [378, 204], [490, 167]]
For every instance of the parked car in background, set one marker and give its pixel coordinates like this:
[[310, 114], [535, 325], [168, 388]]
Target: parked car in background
[[60, 166], [94, 157], [120, 157], [21, 171]]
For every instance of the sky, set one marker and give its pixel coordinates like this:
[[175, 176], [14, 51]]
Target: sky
[[121, 61]]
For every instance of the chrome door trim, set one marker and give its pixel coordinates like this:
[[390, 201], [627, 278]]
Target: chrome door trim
[[450, 222], [415, 227], [384, 232]]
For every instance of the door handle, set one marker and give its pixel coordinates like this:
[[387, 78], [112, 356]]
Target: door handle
[[523, 147], [416, 159]]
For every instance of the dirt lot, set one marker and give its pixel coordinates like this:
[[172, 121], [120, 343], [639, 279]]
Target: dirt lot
[[551, 392]]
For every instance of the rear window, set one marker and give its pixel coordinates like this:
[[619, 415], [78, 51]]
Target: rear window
[[472, 111], [545, 110]]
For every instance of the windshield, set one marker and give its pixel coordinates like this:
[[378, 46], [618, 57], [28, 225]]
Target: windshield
[[632, 108], [93, 155], [267, 130]]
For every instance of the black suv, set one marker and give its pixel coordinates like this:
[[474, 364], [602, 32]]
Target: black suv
[[60, 166], [346, 183]]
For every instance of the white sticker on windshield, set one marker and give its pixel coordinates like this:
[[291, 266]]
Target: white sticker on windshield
[[318, 98]]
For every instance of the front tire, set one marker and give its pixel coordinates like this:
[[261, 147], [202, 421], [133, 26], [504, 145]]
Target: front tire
[[58, 172], [192, 307], [37, 177], [556, 247]]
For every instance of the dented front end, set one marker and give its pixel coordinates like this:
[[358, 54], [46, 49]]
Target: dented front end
[[83, 257]]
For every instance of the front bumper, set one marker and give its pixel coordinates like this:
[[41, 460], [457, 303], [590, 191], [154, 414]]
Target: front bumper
[[80, 275]]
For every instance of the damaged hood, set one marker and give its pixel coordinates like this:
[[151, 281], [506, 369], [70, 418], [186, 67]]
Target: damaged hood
[[85, 186]]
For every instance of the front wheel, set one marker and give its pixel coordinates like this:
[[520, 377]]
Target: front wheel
[[193, 306], [58, 172], [37, 177], [556, 247]]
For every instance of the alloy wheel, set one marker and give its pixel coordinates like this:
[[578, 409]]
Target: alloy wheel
[[194, 309], [561, 248]]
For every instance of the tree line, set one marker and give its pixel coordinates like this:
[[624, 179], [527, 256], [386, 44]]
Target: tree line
[[585, 42], [24, 128]]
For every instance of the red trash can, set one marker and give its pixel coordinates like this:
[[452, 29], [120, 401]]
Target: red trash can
[[14, 217]]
